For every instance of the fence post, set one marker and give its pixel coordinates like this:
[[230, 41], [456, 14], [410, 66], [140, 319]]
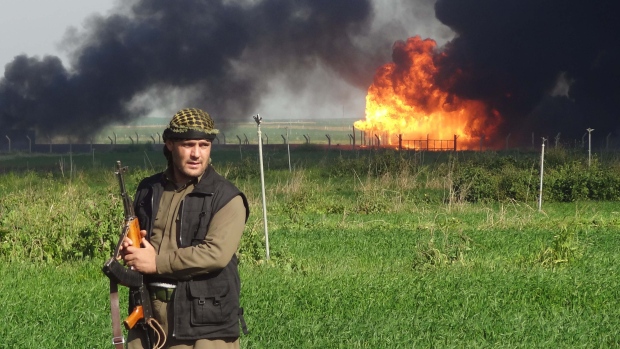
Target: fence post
[[288, 151], [589, 145], [542, 165], [258, 120], [607, 141]]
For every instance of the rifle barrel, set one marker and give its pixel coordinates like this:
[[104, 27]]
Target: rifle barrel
[[126, 198]]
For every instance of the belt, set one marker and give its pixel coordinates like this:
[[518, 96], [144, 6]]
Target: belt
[[163, 294]]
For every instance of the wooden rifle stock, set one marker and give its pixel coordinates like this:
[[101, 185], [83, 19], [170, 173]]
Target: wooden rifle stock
[[133, 231], [134, 317]]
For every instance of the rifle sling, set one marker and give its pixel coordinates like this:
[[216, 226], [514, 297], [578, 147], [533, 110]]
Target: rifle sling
[[118, 340]]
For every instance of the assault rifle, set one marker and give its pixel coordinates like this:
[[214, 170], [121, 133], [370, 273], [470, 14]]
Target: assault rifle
[[141, 313]]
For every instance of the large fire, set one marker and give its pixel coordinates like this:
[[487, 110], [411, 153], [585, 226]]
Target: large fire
[[404, 100]]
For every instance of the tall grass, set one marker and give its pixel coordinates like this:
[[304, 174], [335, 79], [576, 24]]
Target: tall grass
[[368, 250]]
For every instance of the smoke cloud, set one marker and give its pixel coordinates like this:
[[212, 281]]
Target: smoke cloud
[[547, 66], [217, 54]]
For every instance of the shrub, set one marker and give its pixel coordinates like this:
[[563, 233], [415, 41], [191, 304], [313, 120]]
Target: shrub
[[474, 184], [46, 219]]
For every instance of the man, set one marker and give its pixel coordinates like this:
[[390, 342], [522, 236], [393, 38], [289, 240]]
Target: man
[[191, 220]]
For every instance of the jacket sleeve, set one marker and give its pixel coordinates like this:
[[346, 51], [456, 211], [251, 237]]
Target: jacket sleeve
[[214, 252]]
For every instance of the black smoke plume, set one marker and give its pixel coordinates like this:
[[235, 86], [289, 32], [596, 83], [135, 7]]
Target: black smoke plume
[[512, 53], [218, 51]]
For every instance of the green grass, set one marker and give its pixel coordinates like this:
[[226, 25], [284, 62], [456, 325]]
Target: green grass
[[353, 284], [54, 306], [146, 131], [357, 287], [357, 260]]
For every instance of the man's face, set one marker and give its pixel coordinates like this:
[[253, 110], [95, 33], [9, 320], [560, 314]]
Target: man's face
[[190, 158]]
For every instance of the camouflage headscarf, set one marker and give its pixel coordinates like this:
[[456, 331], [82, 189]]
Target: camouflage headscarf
[[190, 123]]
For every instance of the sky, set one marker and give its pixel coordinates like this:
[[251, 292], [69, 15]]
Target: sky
[[38, 28]]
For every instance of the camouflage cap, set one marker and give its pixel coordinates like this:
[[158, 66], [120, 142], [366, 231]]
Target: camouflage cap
[[190, 123]]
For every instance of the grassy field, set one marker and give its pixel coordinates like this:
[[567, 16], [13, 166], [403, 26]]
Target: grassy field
[[146, 130], [373, 259]]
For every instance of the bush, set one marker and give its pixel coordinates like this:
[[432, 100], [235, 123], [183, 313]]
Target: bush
[[574, 181], [46, 220], [475, 184], [375, 163]]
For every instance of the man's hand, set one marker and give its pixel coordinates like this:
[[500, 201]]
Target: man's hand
[[139, 259]]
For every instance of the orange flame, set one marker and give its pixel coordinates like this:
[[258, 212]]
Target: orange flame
[[404, 99]]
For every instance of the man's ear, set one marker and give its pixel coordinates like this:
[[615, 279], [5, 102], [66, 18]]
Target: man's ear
[[169, 144]]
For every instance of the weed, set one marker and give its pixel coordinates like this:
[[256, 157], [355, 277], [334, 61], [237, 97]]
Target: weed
[[447, 249], [565, 248]]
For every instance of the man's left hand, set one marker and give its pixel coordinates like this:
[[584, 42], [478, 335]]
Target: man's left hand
[[141, 259]]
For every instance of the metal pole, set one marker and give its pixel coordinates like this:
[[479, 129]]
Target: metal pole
[[582, 141], [258, 120], [7, 137], [607, 141], [29, 144], [589, 145], [542, 165], [288, 150]]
